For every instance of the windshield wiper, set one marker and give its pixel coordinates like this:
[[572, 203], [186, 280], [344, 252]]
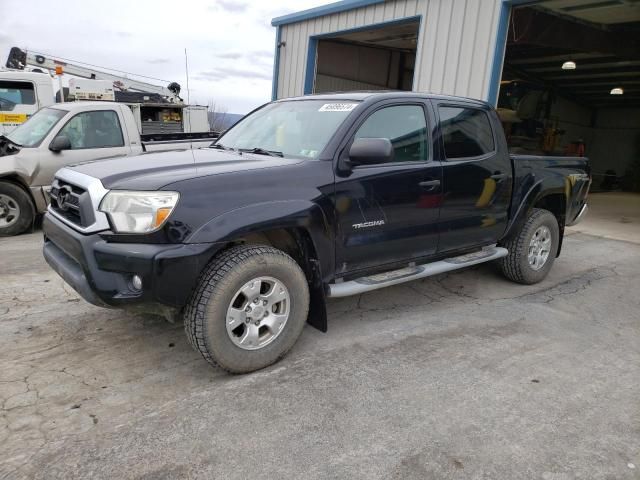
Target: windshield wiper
[[262, 151], [7, 139], [219, 146]]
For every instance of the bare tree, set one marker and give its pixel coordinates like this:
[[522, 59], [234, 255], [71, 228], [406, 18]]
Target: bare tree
[[217, 116]]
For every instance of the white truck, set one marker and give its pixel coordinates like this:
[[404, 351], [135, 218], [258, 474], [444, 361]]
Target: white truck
[[60, 135], [21, 95]]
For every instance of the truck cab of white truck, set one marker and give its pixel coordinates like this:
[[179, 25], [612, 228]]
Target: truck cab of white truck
[[21, 95]]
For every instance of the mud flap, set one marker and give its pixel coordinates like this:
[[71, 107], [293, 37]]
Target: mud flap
[[317, 303]]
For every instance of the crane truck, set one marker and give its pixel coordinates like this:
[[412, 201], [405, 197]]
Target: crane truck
[[159, 112]]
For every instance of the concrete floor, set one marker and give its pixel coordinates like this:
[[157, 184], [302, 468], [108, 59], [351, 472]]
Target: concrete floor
[[613, 215], [462, 375]]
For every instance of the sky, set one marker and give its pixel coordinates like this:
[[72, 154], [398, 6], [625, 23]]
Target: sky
[[230, 43]]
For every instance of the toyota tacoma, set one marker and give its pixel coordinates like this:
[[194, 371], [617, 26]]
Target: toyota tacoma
[[306, 199]]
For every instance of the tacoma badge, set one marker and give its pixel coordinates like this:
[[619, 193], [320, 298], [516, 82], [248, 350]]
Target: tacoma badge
[[374, 223]]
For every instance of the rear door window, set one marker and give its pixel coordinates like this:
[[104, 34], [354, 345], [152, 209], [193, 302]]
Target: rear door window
[[466, 132]]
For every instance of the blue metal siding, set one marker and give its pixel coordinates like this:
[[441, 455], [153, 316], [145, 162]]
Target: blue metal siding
[[276, 65], [498, 53], [500, 47], [311, 65], [323, 10]]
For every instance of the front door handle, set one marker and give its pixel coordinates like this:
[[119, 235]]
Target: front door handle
[[499, 176], [429, 184]]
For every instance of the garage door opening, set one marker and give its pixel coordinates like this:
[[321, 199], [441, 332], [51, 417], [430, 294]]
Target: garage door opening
[[380, 58], [571, 86]]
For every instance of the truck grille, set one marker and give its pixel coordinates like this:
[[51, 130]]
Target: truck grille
[[75, 200], [71, 203]]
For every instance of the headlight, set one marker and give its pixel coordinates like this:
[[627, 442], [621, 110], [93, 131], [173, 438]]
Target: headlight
[[138, 212]]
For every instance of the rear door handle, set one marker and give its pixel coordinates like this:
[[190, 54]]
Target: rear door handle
[[499, 176], [429, 184]]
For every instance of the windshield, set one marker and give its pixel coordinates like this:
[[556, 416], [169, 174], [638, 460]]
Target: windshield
[[15, 93], [33, 131], [300, 128]]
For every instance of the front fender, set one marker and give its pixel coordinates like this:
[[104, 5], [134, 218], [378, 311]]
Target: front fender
[[261, 217], [25, 169], [20, 170]]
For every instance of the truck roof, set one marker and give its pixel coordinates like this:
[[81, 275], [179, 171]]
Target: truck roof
[[20, 75], [364, 95], [99, 105]]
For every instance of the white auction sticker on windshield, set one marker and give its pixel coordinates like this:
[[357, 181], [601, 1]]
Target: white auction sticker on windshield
[[337, 107]]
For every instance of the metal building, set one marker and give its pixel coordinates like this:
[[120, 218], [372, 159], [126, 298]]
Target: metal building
[[454, 43], [564, 74]]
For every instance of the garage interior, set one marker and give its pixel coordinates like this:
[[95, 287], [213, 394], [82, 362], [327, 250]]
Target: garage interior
[[368, 59], [571, 85]]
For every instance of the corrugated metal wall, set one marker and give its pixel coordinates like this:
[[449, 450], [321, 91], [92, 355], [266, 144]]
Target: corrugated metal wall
[[455, 46]]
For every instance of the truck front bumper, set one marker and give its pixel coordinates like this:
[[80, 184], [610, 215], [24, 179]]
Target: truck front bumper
[[40, 197], [102, 272]]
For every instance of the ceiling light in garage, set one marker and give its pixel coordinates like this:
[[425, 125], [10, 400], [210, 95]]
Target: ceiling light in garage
[[616, 91], [569, 65]]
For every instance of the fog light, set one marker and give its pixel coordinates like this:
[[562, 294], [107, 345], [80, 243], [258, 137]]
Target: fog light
[[136, 282]]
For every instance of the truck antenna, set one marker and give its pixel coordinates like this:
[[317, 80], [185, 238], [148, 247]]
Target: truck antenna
[[186, 69]]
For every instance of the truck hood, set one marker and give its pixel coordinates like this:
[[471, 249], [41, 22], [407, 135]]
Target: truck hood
[[152, 171]]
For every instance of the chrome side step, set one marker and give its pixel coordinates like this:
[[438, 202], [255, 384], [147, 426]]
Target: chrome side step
[[386, 279]]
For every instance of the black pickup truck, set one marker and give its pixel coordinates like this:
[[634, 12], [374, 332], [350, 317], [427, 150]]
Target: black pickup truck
[[304, 199]]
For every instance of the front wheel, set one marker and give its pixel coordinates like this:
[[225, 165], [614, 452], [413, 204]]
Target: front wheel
[[248, 309], [16, 209], [533, 250]]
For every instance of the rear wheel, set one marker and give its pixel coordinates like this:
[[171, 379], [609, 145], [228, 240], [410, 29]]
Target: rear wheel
[[533, 250], [16, 209], [248, 309]]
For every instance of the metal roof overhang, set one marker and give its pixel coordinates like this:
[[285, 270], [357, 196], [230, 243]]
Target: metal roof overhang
[[322, 10]]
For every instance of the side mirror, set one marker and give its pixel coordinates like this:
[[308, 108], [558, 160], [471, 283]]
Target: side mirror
[[61, 142], [370, 151]]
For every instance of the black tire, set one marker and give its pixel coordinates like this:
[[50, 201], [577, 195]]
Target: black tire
[[12, 195], [515, 266], [206, 312]]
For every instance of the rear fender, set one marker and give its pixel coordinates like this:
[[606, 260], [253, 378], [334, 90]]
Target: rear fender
[[524, 208], [536, 195]]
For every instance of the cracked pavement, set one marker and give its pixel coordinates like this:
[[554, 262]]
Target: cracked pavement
[[463, 375]]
